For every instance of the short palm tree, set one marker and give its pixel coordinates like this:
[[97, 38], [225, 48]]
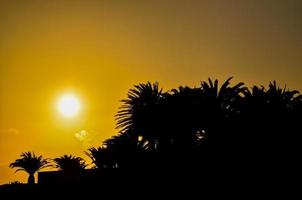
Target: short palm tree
[[126, 149], [70, 164], [101, 157], [31, 164]]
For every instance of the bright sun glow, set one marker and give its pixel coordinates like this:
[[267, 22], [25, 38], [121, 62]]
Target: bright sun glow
[[69, 105]]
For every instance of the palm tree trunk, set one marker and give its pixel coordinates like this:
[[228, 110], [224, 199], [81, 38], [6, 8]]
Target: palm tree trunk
[[31, 179]]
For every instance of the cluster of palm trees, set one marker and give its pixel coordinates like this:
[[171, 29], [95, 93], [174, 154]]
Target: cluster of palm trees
[[195, 127], [32, 163]]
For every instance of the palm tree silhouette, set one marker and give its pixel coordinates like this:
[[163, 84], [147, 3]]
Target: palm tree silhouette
[[30, 163], [219, 107], [221, 101], [269, 108], [140, 113], [70, 164], [101, 157], [180, 116], [126, 149], [221, 130]]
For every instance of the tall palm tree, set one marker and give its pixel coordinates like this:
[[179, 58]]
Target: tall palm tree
[[180, 117], [219, 107], [269, 122], [70, 164], [222, 100], [274, 102], [31, 164], [139, 113]]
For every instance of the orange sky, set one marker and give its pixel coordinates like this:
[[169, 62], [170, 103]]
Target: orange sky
[[99, 49]]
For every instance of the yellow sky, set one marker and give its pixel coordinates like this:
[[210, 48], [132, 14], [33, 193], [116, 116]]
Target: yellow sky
[[99, 49]]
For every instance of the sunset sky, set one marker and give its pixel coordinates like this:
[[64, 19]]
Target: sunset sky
[[97, 50]]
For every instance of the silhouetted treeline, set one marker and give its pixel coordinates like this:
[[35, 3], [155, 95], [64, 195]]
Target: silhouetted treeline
[[208, 133], [215, 129]]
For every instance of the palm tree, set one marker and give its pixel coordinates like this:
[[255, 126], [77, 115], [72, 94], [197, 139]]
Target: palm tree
[[221, 100], [140, 112], [126, 149], [180, 114], [274, 105], [268, 124], [219, 108], [101, 157], [30, 163], [274, 102], [70, 164]]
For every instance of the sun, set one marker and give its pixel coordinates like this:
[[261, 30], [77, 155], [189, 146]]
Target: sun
[[69, 105]]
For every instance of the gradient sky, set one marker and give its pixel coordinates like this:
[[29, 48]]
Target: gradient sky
[[99, 49]]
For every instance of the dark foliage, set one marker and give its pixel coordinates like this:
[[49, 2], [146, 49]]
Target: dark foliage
[[207, 128], [209, 134], [70, 164], [30, 163]]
